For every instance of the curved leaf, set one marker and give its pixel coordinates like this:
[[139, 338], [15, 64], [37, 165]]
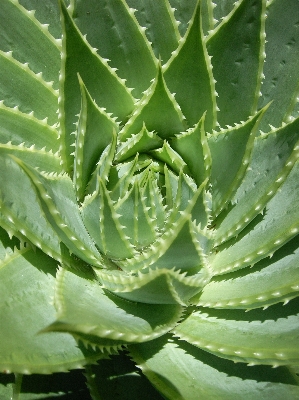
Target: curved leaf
[[27, 279], [188, 74], [181, 371], [258, 337], [105, 320], [237, 48]]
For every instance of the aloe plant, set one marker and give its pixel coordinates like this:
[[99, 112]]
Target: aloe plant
[[149, 199]]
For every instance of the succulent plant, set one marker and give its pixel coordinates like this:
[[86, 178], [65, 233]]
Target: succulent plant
[[149, 227]]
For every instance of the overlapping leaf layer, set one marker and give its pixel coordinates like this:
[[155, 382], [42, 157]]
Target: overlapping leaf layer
[[146, 203]]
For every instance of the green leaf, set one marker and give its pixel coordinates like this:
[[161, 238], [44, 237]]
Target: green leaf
[[279, 224], [188, 74], [27, 38], [135, 219], [257, 337], [142, 142], [157, 101], [46, 13], [269, 282], [237, 47], [18, 128], [23, 211], [193, 148], [20, 87], [281, 83], [27, 278], [183, 12], [181, 371], [222, 9], [169, 157], [112, 28], [104, 167], [105, 320], [104, 225], [41, 159], [230, 152], [94, 134], [262, 179], [177, 247], [154, 286], [161, 26], [101, 82], [57, 196]]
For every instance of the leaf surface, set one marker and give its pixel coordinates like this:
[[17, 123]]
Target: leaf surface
[[237, 50], [188, 74], [27, 280], [258, 337], [104, 319], [181, 371]]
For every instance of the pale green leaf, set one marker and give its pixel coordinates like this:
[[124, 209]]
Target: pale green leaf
[[261, 238], [188, 74], [270, 281], [22, 88], [237, 50], [112, 28], [101, 81], [27, 287], [257, 337], [18, 128], [181, 371], [105, 320], [94, 134], [281, 83], [27, 38]]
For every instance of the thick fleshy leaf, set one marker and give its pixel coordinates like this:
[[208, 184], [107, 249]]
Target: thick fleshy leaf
[[262, 179], [112, 28], [41, 159], [257, 337], [103, 168], [27, 285], [101, 81], [121, 176], [188, 74], [23, 212], [269, 282], [222, 9], [27, 38], [181, 371], [20, 87], [177, 247], [140, 229], [94, 134], [169, 157], [18, 128], [193, 148], [161, 26], [281, 83], [230, 152], [279, 224], [237, 48], [47, 13], [157, 101], [104, 225], [142, 142], [104, 319], [183, 12], [154, 286], [57, 197]]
